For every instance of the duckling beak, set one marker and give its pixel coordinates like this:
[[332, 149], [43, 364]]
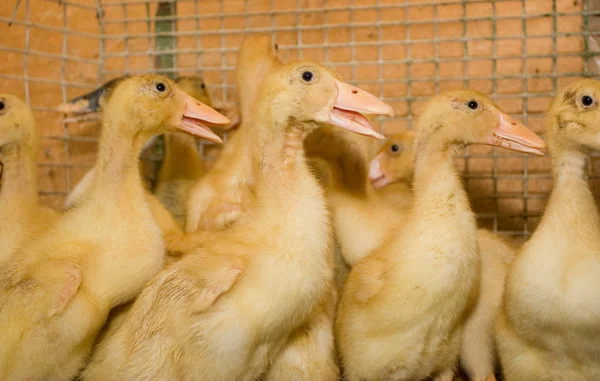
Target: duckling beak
[[87, 103], [515, 136], [197, 115], [84, 104], [350, 103], [376, 176]]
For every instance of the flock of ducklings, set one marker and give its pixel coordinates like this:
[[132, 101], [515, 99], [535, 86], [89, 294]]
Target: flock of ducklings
[[303, 253]]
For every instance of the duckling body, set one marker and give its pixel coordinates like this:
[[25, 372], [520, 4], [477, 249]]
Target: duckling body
[[283, 242], [362, 216], [103, 251], [550, 322], [309, 353], [393, 166], [22, 217], [224, 194], [403, 311], [478, 354]]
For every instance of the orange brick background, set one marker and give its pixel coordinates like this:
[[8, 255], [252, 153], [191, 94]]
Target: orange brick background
[[518, 52]]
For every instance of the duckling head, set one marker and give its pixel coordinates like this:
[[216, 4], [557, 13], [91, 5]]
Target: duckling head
[[153, 104], [466, 117], [17, 125], [257, 55], [574, 117], [309, 93], [394, 161], [195, 87]]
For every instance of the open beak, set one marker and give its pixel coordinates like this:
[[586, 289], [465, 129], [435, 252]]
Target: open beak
[[350, 105], [515, 136], [197, 116], [376, 175]]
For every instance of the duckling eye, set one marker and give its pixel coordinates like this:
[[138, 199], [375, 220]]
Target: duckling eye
[[395, 148], [587, 101], [307, 76], [161, 87], [276, 47], [473, 105], [203, 86], [2, 106]]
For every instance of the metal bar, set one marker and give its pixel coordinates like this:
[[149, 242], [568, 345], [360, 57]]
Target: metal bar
[[373, 44], [73, 4], [28, 24], [63, 68], [525, 116], [25, 56], [164, 38], [36, 53], [409, 62], [102, 52], [26, 78], [217, 32], [494, 94]]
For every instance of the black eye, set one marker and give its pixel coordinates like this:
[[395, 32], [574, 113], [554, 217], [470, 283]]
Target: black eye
[[587, 101], [203, 86], [473, 105], [395, 148], [307, 76], [276, 47], [161, 87], [2, 106]]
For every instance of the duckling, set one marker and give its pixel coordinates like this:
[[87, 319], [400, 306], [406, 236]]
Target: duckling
[[362, 217], [172, 186], [478, 352], [57, 292], [391, 170], [549, 326], [403, 308], [283, 245], [175, 179], [21, 215], [219, 198]]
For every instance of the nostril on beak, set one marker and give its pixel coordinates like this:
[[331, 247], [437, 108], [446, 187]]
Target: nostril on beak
[[354, 91], [513, 123]]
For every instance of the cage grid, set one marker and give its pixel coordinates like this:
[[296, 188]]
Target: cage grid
[[519, 52]]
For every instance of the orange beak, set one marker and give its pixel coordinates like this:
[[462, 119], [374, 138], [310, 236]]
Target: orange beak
[[197, 115], [515, 136], [351, 102]]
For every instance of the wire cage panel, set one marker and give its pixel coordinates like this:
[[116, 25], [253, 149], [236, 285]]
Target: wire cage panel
[[405, 51]]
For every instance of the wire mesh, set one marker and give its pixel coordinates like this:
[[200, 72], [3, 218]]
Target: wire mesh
[[518, 52]]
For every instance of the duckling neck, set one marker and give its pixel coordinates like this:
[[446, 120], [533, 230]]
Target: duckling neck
[[346, 160], [280, 149], [437, 188], [182, 159], [572, 202], [18, 182], [118, 165]]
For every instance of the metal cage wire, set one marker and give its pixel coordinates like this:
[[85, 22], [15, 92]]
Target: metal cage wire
[[518, 52]]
